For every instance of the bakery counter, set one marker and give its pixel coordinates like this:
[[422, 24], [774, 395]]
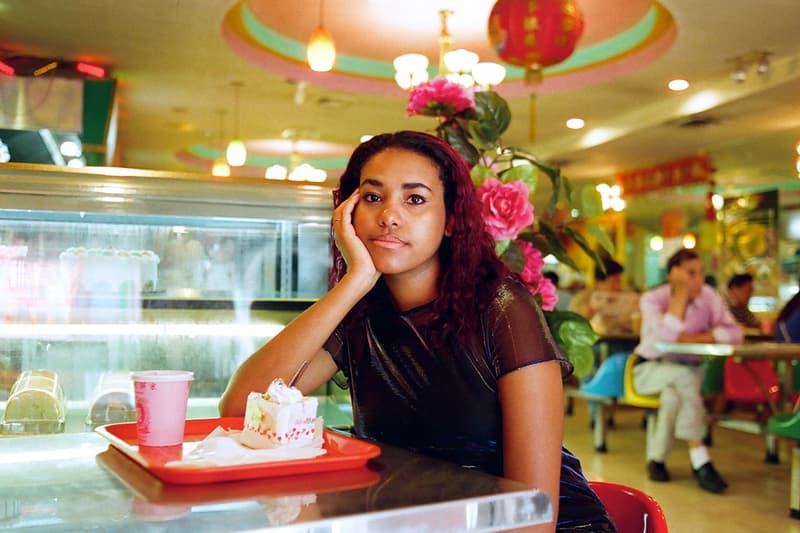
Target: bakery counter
[[78, 482]]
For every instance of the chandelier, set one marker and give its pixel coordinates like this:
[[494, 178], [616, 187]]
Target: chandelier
[[296, 170], [460, 66]]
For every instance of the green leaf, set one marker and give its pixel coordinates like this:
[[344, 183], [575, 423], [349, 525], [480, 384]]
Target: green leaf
[[568, 191], [582, 359], [523, 173], [501, 246], [513, 257], [602, 237], [456, 137], [479, 173], [584, 244], [494, 117], [485, 138], [548, 241], [575, 336], [591, 202]]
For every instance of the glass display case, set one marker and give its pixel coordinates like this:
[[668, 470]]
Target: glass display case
[[104, 271]]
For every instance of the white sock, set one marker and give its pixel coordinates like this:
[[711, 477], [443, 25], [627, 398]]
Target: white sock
[[698, 456]]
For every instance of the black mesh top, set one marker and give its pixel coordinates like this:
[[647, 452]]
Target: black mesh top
[[416, 390]]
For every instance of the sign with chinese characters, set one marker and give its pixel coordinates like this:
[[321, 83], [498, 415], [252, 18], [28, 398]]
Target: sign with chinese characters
[[686, 171]]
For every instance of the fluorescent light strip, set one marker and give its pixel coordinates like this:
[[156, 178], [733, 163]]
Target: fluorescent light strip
[[17, 331]]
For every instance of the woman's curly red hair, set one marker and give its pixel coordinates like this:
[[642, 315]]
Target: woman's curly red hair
[[471, 271]]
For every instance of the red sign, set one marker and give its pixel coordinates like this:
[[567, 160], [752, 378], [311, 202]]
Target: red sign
[[695, 169]]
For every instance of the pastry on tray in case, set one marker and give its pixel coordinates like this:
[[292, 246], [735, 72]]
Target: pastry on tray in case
[[36, 404], [281, 417]]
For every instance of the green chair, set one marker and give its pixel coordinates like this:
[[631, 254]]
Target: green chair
[[787, 425]]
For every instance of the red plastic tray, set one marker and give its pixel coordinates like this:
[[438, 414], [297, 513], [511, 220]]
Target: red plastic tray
[[343, 452]]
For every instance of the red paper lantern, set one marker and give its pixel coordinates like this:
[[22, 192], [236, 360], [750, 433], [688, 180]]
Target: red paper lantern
[[534, 34]]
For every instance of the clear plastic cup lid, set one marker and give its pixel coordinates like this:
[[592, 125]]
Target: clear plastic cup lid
[[162, 375]]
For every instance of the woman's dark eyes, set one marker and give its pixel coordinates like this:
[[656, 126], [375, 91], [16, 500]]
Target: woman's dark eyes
[[370, 197], [414, 199]]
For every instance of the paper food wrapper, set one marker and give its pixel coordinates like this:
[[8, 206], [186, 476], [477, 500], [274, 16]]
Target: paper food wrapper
[[223, 448]]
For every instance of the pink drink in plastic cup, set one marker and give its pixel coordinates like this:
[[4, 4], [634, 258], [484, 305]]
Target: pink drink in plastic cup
[[161, 399]]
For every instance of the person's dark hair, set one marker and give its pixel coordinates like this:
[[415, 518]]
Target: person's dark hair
[[471, 271], [739, 279], [612, 268], [678, 258]]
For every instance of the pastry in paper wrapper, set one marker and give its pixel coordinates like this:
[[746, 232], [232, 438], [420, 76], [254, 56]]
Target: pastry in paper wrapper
[[280, 418]]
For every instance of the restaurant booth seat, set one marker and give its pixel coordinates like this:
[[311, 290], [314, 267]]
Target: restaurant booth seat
[[787, 425], [632, 510], [604, 390], [754, 383]]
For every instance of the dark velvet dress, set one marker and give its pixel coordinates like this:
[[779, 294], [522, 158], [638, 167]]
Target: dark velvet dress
[[413, 389]]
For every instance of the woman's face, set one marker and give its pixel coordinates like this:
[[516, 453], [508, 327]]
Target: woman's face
[[401, 217]]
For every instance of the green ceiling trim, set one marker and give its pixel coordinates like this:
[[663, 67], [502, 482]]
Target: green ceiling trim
[[297, 50], [582, 58], [621, 44], [209, 153]]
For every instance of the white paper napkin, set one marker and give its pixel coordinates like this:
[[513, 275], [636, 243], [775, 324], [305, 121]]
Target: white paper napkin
[[222, 448]]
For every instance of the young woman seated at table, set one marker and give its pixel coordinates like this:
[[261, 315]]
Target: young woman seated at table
[[445, 350]]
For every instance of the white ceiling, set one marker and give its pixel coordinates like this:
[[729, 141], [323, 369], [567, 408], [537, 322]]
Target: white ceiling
[[175, 72]]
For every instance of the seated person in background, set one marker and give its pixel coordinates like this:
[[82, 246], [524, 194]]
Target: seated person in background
[[740, 289], [608, 306], [682, 310], [564, 296], [787, 325]]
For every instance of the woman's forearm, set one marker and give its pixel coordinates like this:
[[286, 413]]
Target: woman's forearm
[[301, 340]]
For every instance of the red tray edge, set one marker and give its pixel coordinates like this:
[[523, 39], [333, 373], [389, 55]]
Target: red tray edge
[[185, 475]]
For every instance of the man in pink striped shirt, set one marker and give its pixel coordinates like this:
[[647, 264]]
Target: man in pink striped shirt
[[682, 310]]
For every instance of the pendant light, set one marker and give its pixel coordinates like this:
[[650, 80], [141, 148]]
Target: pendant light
[[219, 167], [321, 52], [236, 154]]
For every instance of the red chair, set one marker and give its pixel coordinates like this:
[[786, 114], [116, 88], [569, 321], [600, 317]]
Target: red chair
[[632, 510], [754, 382]]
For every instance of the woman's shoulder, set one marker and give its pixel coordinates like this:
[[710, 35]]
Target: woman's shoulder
[[512, 296]]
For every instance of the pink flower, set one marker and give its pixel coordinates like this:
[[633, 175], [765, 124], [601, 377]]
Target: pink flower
[[547, 291], [532, 276], [439, 97], [506, 208], [534, 262]]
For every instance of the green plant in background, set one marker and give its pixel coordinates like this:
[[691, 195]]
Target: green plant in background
[[506, 177]]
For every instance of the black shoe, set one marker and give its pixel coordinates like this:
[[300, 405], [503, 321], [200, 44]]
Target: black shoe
[[709, 479], [657, 471]]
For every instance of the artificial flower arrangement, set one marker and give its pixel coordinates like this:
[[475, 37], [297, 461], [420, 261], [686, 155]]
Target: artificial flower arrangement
[[473, 122]]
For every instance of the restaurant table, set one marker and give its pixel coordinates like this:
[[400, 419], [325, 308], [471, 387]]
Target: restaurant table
[[77, 481], [772, 351], [776, 351]]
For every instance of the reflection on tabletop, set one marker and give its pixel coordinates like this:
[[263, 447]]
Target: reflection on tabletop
[[410, 488]]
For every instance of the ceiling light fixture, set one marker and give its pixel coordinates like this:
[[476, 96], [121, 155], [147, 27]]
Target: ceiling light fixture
[[220, 167], [678, 85], [758, 59], [321, 52], [762, 63], [611, 197], [459, 66], [575, 123], [739, 74], [297, 170], [236, 154]]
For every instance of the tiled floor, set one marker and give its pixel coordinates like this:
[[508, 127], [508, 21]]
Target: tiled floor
[[758, 497]]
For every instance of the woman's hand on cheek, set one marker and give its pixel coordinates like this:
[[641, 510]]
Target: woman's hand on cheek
[[355, 254]]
